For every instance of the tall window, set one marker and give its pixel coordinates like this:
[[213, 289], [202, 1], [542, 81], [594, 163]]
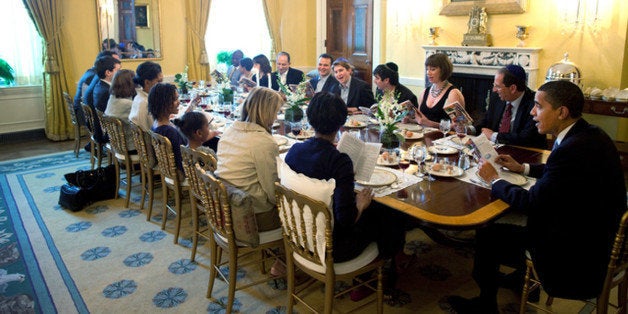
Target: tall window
[[20, 44], [238, 24]]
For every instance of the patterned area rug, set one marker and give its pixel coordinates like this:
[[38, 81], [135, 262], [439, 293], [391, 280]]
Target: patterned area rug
[[108, 258]]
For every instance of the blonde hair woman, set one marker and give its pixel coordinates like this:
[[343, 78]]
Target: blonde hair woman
[[247, 152]]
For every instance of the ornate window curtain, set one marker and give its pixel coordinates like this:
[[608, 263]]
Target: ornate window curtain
[[48, 18], [197, 13], [236, 25], [20, 43], [272, 11]]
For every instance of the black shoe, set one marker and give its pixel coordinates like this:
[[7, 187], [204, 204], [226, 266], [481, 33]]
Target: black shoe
[[88, 147], [472, 306]]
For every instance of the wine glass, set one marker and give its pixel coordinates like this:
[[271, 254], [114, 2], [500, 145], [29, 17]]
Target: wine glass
[[461, 132], [418, 154], [403, 165], [295, 128], [444, 126]]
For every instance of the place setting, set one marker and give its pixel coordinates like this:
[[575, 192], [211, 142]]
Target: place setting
[[298, 132]]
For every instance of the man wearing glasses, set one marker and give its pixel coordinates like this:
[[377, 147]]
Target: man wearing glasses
[[507, 119]]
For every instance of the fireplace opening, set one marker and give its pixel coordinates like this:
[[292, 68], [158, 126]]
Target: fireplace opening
[[477, 91]]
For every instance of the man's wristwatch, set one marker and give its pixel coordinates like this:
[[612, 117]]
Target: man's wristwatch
[[495, 180]]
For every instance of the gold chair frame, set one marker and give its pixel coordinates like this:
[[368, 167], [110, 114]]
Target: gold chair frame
[[77, 127], [171, 179], [97, 148], [120, 152], [295, 244], [192, 157], [223, 238], [616, 276], [148, 165]]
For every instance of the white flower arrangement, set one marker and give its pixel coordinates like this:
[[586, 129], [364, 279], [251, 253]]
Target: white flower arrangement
[[298, 95], [389, 111]]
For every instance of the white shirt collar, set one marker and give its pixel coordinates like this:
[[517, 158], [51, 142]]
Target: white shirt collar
[[562, 134]]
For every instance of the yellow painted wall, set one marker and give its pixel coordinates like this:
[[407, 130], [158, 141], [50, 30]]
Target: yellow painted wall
[[602, 57], [299, 32]]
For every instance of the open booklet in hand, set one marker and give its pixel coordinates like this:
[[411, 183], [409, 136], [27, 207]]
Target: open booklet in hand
[[363, 155], [483, 148], [457, 113], [247, 81]]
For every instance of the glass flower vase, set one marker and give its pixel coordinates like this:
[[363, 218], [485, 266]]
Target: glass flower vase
[[388, 138]]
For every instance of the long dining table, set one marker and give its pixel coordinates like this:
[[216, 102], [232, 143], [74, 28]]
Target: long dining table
[[447, 202]]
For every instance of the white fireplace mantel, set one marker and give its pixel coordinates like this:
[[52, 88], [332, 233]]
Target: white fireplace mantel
[[486, 60]]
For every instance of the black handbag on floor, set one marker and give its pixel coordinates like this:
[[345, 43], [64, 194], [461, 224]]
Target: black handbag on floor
[[73, 198], [99, 184]]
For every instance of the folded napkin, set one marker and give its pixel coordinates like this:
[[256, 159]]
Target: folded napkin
[[470, 176]]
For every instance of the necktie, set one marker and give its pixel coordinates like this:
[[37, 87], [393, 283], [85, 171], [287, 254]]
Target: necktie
[[504, 126]]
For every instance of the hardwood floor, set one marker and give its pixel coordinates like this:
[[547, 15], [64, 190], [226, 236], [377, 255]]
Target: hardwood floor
[[20, 148]]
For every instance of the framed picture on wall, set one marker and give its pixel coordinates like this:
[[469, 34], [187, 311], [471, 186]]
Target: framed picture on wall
[[462, 7], [142, 17]]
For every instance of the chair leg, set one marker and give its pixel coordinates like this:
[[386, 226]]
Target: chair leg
[[195, 224], [380, 291], [290, 268], [100, 152], [526, 290], [77, 139], [177, 208], [92, 152], [164, 192], [116, 163], [151, 192], [213, 261], [233, 271], [329, 296], [144, 186], [129, 178]]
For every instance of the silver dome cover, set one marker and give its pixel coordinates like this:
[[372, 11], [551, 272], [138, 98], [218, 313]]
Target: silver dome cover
[[564, 70]]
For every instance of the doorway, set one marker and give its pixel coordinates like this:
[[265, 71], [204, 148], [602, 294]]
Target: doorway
[[350, 34]]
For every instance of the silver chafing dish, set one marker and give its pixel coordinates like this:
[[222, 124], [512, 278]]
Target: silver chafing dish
[[564, 70]]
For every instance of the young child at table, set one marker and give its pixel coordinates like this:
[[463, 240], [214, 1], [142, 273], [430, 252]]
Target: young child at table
[[195, 126]]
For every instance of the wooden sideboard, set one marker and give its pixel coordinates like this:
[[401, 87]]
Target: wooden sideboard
[[606, 108]]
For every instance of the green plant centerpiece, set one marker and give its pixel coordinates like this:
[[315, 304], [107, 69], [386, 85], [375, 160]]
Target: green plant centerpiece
[[389, 113], [181, 80], [6, 73], [223, 85], [295, 98]]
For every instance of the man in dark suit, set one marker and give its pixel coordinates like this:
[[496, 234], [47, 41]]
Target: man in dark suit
[[352, 90], [106, 67], [325, 81], [285, 73], [507, 119], [84, 83], [573, 209]]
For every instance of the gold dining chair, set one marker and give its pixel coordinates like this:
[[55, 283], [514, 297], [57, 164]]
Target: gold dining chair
[[221, 223], [192, 157], [171, 179], [616, 276], [148, 166], [120, 152], [97, 147], [77, 127], [309, 246]]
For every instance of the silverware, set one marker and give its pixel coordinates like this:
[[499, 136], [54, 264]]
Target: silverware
[[480, 183]]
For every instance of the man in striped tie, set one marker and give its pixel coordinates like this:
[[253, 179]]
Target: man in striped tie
[[507, 119], [573, 209]]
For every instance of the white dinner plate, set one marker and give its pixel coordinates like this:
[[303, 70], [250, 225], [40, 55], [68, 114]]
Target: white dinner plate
[[409, 126], [280, 117], [302, 136], [514, 178], [416, 135], [352, 123], [380, 177], [442, 149], [280, 139], [445, 171], [390, 162]]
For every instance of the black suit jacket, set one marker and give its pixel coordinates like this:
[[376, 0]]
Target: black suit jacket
[[360, 93], [294, 76], [101, 95], [524, 131], [573, 211], [329, 83]]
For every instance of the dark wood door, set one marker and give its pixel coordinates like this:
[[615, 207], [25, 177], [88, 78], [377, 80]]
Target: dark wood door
[[350, 34], [126, 16]]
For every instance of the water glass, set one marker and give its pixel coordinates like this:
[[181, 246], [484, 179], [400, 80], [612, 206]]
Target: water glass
[[461, 132], [444, 126], [419, 154]]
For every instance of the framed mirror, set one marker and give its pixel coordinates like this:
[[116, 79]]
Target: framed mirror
[[462, 7], [130, 27]]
